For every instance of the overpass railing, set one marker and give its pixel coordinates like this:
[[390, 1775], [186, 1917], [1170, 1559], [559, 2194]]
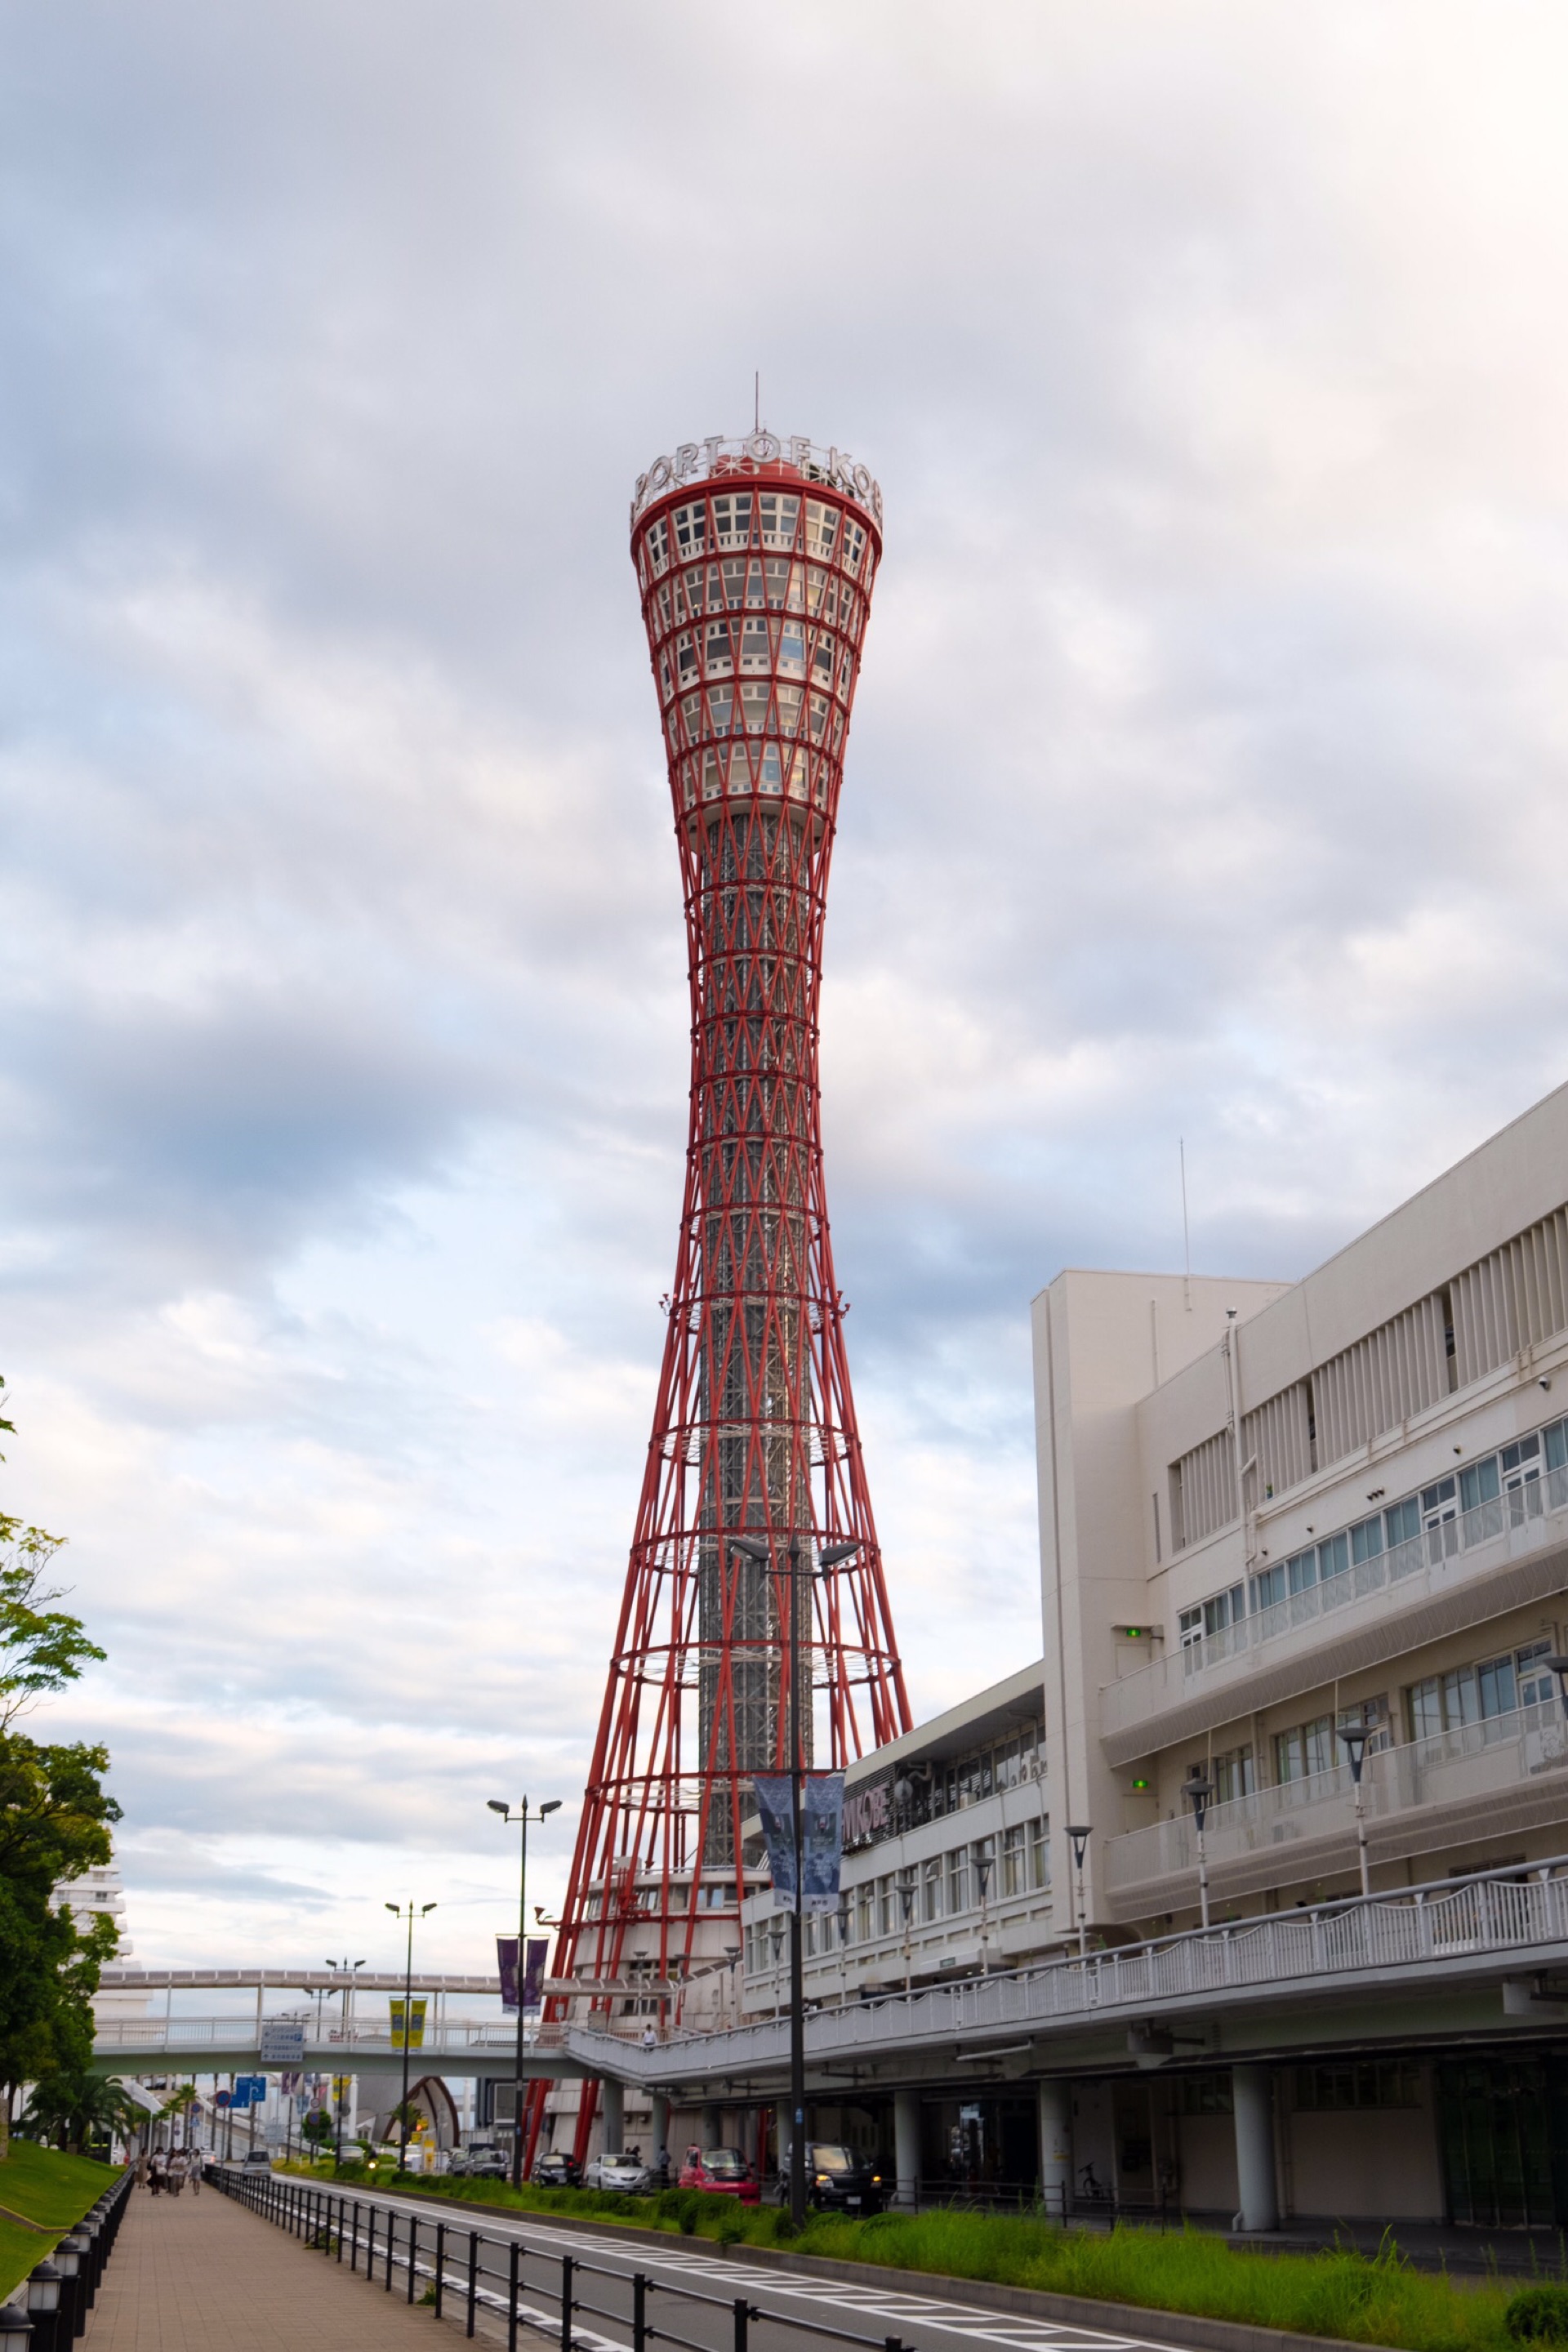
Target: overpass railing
[[1491, 1914], [462, 2271]]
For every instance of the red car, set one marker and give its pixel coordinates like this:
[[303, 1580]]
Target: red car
[[723, 2169]]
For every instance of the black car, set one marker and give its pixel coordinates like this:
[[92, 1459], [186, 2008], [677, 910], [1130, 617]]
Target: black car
[[558, 2170], [840, 2181]]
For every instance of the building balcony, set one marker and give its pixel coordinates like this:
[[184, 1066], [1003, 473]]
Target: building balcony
[[1503, 1554], [1504, 1777]]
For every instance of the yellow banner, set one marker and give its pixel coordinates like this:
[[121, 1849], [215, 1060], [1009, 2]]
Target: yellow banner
[[414, 2037]]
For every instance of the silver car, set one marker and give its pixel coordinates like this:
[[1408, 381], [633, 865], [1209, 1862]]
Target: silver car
[[628, 2174]]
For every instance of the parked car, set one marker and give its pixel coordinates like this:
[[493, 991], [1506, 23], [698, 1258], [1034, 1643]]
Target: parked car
[[724, 2169], [556, 2169], [628, 2174], [482, 2159], [840, 2181]]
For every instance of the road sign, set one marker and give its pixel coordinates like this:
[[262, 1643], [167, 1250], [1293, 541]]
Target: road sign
[[282, 2041]]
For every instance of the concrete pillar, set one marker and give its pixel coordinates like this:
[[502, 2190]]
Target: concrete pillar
[[1252, 2091], [1055, 2104], [907, 2147], [661, 2132], [613, 2107], [712, 2126]]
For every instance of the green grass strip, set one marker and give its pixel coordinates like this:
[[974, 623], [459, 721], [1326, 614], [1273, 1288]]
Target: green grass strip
[[1359, 2298], [50, 2190]]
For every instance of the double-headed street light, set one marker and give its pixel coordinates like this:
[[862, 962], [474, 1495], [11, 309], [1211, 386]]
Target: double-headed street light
[[349, 1969], [497, 1805], [409, 1913], [831, 1556]]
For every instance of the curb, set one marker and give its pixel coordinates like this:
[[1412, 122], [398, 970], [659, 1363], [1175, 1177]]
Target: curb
[[1182, 2327]]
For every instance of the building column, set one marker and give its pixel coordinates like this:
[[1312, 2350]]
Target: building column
[[661, 2130], [907, 2148], [1055, 2104], [1252, 2092], [712, 2126], [613, 2107]]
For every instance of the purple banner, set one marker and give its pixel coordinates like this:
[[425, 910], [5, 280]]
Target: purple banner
[[532, 1974]]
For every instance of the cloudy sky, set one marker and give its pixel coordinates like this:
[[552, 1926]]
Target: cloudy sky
[[1207, 781]]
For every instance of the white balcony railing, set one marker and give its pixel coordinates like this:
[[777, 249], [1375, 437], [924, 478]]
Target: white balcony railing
[[1455, 1552]]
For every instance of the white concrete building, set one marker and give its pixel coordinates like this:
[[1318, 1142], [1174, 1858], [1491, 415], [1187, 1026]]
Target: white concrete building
[[1270, 1515]]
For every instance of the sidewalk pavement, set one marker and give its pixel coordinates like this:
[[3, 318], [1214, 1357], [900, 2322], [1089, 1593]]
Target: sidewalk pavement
[[201, 2274]]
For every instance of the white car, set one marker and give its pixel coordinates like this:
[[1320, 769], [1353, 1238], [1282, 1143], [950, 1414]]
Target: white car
[[628, 2174]]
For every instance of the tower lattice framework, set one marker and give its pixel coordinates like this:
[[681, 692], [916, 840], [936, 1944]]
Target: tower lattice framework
[[756, 563]]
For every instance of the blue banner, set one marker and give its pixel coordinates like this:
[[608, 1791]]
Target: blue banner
[[821, 1837]]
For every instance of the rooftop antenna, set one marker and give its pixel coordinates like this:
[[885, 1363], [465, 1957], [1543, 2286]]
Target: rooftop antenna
[[757, 402], [1186, 1236]]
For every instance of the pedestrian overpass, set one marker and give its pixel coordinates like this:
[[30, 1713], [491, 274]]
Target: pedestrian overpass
[[1483, 1959]]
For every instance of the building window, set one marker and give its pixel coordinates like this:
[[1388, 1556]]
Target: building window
[[1232, 1775], [1201, 2094], [931, 1889], [957, 1882], [1367, 2083], [1301, 1753], [1477, 1694], [1039, 1851]]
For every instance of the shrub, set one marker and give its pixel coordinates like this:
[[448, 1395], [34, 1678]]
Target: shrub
[[1537, 2315]]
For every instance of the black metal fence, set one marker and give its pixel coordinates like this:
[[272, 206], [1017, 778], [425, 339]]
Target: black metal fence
[[457, 2268], [62, 2290]]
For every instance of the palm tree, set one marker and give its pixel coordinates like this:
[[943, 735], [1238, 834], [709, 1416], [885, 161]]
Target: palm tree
[[70, 2109]]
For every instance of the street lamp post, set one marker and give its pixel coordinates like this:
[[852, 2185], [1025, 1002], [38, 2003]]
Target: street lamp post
[[982, 1866], [1354, 1742], [349, 1969], [829, 1557], [398, 1911], [497, 1806], [1197, 1792], [1079, 1838]]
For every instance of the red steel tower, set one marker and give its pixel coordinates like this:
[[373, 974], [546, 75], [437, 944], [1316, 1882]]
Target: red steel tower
[[755, 560]]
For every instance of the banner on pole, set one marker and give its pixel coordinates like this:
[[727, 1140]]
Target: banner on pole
[[414, 2038], [821, 1837], [533, 1974]]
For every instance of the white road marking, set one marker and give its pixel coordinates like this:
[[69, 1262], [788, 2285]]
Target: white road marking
[[971, 2320]]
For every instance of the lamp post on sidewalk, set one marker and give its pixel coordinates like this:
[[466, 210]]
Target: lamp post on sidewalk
[[410, 1914], [1079, 1839], [831, 1556], [1355, 1739], [496, 1805], [349, 1969], [1197, 1792]]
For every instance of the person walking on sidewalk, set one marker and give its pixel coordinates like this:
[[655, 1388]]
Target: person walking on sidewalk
[[155, 2171], [194, 2167]]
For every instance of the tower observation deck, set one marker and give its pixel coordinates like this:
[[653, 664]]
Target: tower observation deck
[[755, 560]]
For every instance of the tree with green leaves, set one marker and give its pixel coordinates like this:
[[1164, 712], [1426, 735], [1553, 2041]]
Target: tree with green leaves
[[72, 2110], [55, 1819], [318, 2130]]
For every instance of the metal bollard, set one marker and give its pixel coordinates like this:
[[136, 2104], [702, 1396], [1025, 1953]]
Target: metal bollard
[[353, 2241], [742, 2319], [639, 2311], [473, 2278], [513, 2258], [440, 2266], [391, 2250], [413, 2252]]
